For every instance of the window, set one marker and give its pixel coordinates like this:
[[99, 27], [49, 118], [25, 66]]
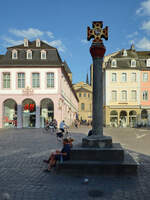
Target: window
[[124, 53], [114, 77], [84, 94], [114, 96], [88, 95], [29, 54], [124, 95], [25, 42], [38, 43], [133, 63], [14, 54], [35, 80], [145, 95], [82, 106], [113, 63], [148, 62], [50, 80], [133, 77], [43, 54], [133, 95], [124, 77], [21, 80], [145, 76], [79, 94], [6, 80]]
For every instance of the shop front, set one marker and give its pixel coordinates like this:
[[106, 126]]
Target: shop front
[[28, 114]]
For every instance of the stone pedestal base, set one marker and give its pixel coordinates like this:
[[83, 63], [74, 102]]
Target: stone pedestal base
[[97, 141], [86, 161]]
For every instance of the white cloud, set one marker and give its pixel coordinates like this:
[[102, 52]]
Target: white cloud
[[144, 44], [146, 26], [29, 33], [132, 34], [10, 41], [50, 34], [144, 8], [84, 41], [58, 44]]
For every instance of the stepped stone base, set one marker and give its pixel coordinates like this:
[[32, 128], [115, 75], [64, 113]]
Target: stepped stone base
[[97, 141], [116, 153], [99, 161]]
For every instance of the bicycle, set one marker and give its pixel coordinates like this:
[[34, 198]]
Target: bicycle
[[51, 128], [61, 135]]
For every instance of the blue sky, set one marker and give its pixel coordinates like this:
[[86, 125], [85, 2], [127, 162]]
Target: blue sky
[[63, 24]]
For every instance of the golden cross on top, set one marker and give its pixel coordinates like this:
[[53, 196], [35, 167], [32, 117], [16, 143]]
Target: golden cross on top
[[97, 32]]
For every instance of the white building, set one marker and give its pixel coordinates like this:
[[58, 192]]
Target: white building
[[35, 86]]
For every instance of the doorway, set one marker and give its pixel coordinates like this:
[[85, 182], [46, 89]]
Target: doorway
[[28, 113]]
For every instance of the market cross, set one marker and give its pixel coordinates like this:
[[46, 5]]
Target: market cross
[[97, 32]]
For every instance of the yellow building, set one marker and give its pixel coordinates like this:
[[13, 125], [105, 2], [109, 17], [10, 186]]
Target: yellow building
[[122, 89], [84, 94]]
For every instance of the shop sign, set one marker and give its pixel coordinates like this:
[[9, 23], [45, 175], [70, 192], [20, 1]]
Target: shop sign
[[29, 107]]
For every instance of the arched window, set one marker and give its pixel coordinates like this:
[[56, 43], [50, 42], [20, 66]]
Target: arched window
[[14, 54], [38, 43], [133, 63], [113, 63], [29, 54], [43, 54], [124, 53]]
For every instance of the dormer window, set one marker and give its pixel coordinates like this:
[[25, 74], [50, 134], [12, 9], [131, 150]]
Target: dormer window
[[148, 63], [14, 54], [38, 43], [133, 63], [113, 63], [25, 42], [29, 54], [43, 54], [124, 52]]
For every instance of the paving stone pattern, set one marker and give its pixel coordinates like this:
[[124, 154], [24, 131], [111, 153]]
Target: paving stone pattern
[[21, 169]]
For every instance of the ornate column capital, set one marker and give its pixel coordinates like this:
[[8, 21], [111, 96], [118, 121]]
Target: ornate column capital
[[97, 50]]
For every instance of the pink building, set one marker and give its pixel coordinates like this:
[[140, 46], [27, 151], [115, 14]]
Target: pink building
[[35, 87], [145, 96]]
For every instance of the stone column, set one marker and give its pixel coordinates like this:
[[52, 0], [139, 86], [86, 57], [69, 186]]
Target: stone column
[[19, 116], [37, 125], [97, 52]]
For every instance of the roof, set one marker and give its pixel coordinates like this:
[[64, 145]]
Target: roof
[[124, 61], [52, 56], [83, 90], [32, 45], [66, 67]]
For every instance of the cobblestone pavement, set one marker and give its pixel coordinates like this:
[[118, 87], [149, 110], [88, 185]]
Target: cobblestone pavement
[[21, 168]]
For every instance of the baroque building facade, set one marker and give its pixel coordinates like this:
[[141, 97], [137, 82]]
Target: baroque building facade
[[84, 94], [127, 93], [35, 86]]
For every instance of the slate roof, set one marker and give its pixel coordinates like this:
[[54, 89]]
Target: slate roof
[[124, 62], [52, 56], [67, 67]]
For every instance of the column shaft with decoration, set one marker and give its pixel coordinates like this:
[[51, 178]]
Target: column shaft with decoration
[[97, 50]]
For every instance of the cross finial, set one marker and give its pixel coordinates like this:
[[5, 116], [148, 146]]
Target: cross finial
[[97, 32]]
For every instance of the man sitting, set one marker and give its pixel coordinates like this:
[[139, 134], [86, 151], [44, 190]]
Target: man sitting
[[64, 154]]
